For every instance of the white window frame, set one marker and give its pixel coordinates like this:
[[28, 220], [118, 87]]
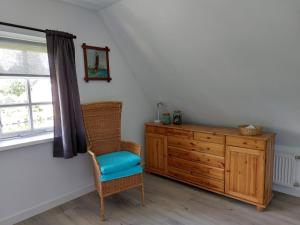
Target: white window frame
[[29, 104], [32, 131]]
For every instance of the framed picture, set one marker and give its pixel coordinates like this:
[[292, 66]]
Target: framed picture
[[96, 63]]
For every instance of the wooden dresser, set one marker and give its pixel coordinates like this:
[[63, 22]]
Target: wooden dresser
[[213, 158]]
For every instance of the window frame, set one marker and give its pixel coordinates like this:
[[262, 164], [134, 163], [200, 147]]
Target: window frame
[[32, 131]]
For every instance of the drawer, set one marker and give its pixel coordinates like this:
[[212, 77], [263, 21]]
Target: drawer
[[194, 156], [208, 183], [246, 143], [196, 169], [156, 130], [200, 146], [180, 133], [214, 138]]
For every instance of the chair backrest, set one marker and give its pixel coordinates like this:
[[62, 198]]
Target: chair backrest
[[102, 122]]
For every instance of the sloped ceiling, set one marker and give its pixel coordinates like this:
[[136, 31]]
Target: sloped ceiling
[[92, 4], [220, 62]]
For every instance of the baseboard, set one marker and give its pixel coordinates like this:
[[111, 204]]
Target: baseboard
[[42, 207], [286, 190]]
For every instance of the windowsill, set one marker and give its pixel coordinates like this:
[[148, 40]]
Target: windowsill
[[26, 141]]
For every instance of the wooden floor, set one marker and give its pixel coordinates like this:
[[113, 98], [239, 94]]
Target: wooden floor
[[170, 202]]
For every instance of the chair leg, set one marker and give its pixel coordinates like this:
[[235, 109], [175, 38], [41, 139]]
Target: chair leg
[[142, 195], [102, 208]]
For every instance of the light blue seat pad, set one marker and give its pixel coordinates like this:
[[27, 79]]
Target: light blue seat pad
[[124, 173], [117, 162]]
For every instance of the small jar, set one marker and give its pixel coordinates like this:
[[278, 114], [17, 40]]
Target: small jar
[[166, 118], [177, 117]]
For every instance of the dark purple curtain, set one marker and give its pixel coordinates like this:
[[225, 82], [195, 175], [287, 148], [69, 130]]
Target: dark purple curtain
[[69, 134]]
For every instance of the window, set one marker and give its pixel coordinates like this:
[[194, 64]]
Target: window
[[25, 89]]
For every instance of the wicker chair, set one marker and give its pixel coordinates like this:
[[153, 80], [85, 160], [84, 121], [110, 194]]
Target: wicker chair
[[103, 128]]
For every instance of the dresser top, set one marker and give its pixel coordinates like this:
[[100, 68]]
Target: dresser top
[[212, 129]]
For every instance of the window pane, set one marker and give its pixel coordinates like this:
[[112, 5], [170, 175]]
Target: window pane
[[13, 91], [40, 90], [42, 116], [23, 58], [15, 119]]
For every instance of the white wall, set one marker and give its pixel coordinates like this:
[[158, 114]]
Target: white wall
[[223, 62], [30, 178]]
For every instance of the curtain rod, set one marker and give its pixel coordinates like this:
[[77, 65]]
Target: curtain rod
[[25, 27]]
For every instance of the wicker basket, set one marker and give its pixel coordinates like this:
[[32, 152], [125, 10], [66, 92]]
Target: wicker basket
[[250, 131]]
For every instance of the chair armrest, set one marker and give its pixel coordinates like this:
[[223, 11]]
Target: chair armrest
[[95, 162], [131, 146]]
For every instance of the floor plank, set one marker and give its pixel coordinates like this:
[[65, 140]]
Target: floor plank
[[170, 203]]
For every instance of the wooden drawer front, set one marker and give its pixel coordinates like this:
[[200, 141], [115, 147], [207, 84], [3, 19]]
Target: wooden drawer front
[[204, 147], [156, 130], [209, 183], [214, 138], [246, 143], [196, 169], [210, 160], [180, 133]]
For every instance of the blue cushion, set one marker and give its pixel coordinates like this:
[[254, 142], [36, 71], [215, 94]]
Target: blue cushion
[[124, 173], [117, 161]]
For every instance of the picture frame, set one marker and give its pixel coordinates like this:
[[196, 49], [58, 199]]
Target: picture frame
[[96, 63]]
